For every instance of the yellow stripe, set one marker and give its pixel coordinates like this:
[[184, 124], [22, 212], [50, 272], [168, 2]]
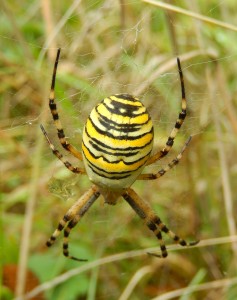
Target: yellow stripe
[[123, 119], [118, 143], [118, 167], [144, 128], [117, 154], [124, 101]]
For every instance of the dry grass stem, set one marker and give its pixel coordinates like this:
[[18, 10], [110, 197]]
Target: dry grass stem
[[171, 64], [140, 273], [49, 26], [191, 14], [57, 29], [228, 198], [212, 88], [117, 257], [222, 283]]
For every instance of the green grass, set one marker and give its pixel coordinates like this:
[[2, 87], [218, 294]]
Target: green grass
[[106, 50]]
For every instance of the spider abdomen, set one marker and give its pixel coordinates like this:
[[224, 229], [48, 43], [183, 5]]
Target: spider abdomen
[[117, 141]]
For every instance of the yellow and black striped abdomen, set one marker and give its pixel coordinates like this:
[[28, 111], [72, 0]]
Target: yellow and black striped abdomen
[[117, 141]]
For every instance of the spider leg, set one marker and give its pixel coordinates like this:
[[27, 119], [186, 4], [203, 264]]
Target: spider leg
[[60, 156], [153, 222], [54, 112], [177, 125], [72, 217], [168, 167]]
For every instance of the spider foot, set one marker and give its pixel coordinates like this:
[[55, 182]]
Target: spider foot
[[156, 255], [66, 253], [193, 243], [50, 241], [164, 252], [76, 259], [184, 243]]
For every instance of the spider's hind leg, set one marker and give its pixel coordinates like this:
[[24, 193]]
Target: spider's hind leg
[[153, 222], [72, 217], [171, 234], [67, 231]]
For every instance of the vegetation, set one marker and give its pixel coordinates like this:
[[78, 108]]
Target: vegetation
[[115, 47]]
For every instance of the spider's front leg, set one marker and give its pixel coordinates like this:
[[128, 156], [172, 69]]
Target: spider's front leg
[[67, 164], [178, 123], [72, 217], [153, 222], [53, 108]]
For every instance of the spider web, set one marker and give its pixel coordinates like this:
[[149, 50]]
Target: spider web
[[105, 52]]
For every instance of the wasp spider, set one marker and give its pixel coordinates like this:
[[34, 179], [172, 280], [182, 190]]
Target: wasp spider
[[117, 142]]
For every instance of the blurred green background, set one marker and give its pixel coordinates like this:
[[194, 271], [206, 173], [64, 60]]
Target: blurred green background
[[116, 47]]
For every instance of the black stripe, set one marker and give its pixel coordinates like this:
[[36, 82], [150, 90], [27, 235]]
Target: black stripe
[[182, 115], [129, 109], [116, 161], [66, 232], [96, 170], [170, 141], [151, 226], [98, 148], [110, 124], [122, 137], [52, 105], [121, 124], [176, 238], [96, 141], [109, 177], [55, 116], [159, 236], [61, 133], [164, 228], [178, 125], [94, 167], [60, 227], [124, 128], [126, 97], [183, 243]]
